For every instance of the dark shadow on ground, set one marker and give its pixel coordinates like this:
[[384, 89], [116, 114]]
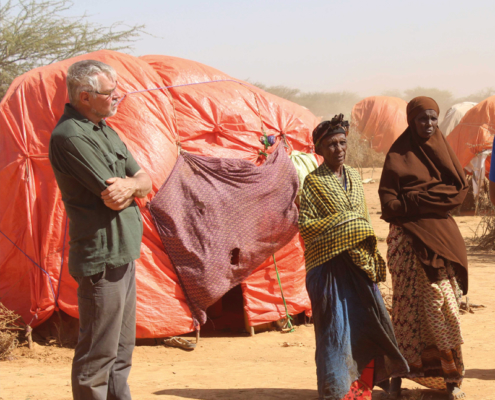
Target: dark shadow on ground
[[286, 394], [413, 394], [241, 394], [483, 374]]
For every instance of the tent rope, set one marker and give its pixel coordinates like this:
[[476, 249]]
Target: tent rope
[[34, 262], [61, 262], [290, 327], [55, 296]]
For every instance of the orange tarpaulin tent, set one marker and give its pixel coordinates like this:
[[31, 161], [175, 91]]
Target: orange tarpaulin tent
[[206, 111], [472, 138], [380, 120]]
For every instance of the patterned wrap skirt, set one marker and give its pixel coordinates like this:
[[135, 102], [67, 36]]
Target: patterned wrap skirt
[[425, 315]]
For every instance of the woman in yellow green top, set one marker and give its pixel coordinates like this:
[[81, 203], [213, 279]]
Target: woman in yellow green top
[[355, 342]]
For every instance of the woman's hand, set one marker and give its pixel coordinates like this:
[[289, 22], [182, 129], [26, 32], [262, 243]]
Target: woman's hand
[[396, 208], [427, 202]]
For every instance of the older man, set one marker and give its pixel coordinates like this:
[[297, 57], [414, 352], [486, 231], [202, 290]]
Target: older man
[[99, 178]]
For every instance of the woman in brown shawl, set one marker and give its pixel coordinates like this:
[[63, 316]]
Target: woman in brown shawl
[[422, 182]]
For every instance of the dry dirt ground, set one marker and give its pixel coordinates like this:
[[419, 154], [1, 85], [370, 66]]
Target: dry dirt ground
[[261, 367]]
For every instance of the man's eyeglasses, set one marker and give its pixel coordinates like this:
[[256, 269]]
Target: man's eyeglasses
[[107, 94]]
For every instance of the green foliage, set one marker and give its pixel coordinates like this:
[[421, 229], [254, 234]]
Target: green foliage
[[36, 32], [328, 104], [280, 91], [322, 104], [360, 154], [392, 93], [444, 98], [478, 96]]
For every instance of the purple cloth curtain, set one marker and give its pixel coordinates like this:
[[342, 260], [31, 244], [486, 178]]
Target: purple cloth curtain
[[220, 218]]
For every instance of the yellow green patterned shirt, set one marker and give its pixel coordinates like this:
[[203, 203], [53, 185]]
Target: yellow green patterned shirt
[[333, 220]]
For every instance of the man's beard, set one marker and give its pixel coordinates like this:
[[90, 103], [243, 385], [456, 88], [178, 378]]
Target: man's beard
[[111, 113]]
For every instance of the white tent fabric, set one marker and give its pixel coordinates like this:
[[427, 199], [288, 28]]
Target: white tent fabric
[[477, 168], [454, 116]]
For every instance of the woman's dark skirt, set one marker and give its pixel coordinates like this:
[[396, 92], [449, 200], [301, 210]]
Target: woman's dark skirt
[[352, 328]]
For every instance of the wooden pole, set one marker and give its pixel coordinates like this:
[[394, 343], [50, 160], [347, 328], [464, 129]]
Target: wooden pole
[[248, 327], [479, 192], [373, 167], [468, 306], [29, 330]]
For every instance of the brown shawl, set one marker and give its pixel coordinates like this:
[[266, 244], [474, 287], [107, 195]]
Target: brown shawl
[[422, 182]]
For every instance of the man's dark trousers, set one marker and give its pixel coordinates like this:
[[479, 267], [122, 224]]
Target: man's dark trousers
[[107, 334]]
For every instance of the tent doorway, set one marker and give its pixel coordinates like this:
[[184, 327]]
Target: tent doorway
[[227, 314]]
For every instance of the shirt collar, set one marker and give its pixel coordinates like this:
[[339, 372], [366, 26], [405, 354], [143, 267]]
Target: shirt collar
[[71, 112]]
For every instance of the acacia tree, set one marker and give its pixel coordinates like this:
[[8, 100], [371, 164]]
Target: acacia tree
[[37, 32]]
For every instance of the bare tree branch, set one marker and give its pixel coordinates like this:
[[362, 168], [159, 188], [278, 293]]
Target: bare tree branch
[[35, 33]]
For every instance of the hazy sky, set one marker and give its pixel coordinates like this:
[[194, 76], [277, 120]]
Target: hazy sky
[[361, 46]]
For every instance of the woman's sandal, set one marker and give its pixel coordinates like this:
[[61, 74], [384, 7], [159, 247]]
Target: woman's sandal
[[180, 343], [455, 392]]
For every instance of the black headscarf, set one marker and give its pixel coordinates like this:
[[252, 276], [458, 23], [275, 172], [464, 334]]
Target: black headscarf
[[325, 128]]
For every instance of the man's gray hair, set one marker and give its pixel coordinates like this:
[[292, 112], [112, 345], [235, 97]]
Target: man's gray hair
[[82, 76]]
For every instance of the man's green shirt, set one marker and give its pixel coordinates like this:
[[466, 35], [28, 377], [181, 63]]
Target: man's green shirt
[[83, 156]]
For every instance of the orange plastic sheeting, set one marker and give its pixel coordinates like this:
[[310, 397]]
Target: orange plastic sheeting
[[262, 296], [220, 119], [380, 120], [224, 119], [474, 133]]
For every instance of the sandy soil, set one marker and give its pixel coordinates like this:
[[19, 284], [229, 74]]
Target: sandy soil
[[270, 365]]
